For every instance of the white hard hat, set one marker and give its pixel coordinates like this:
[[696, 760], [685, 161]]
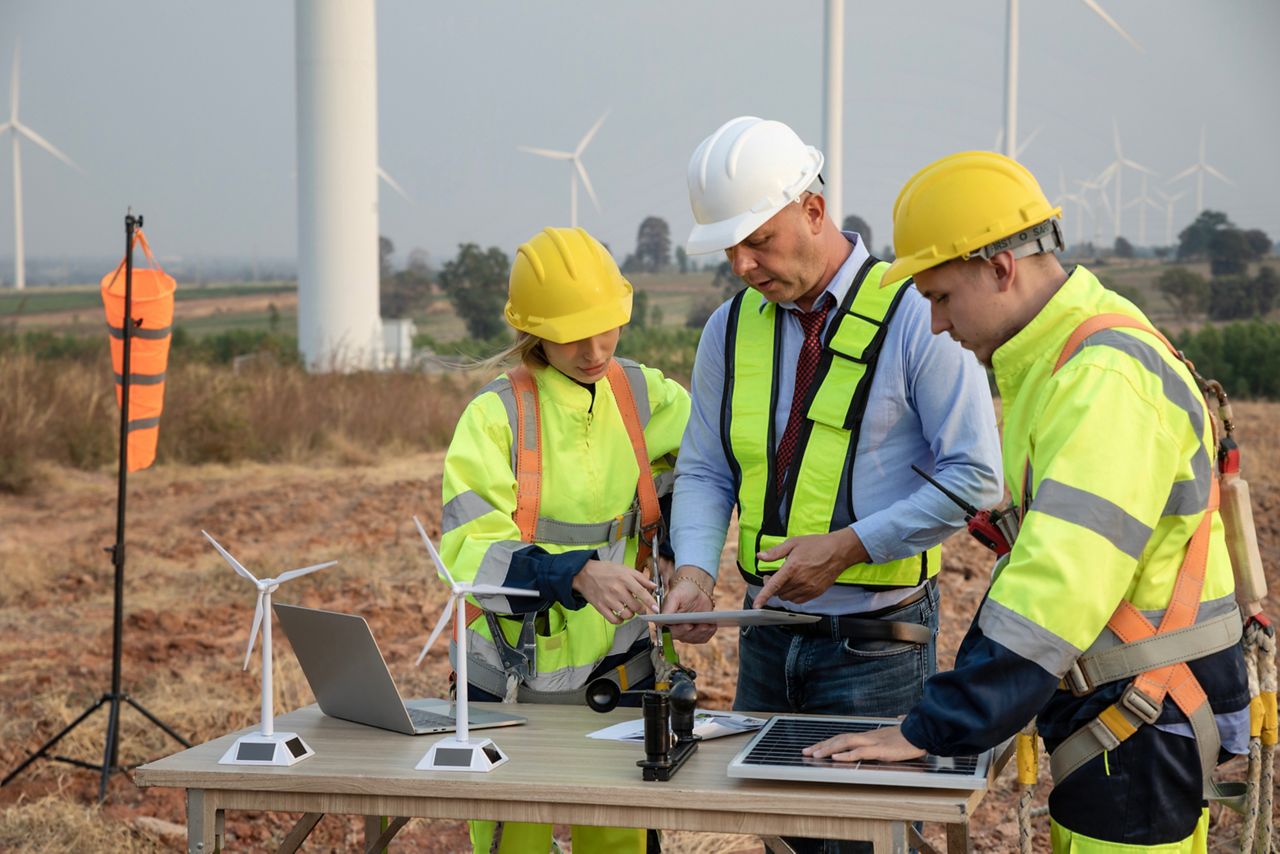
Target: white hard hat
[[742, 175]]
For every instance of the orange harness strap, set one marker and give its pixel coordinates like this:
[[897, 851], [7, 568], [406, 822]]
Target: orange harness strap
[[646, 492], [528, 439]]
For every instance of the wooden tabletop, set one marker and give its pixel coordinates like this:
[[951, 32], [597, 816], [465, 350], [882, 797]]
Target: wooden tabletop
[[552, 763]]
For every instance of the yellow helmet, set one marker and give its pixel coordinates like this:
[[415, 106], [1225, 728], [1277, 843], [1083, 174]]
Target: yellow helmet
[[974, 203], [565, 286]]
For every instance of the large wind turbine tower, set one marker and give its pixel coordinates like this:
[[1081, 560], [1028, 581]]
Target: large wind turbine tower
[[833, 111], [338, 324]]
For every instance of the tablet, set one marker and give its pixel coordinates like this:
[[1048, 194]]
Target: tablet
[[752, 617]]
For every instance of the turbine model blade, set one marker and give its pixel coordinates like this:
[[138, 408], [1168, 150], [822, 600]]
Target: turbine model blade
[[46, 145], [547, 152], [435, 556], [253, 632], [435, 633], [298, 573], [586, 140], [586, 182], [495, 590], [235, 564], [391, 182], [1092, 4], [1215, 173]]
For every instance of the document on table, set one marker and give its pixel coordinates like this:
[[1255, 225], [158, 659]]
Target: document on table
[[706, 723]]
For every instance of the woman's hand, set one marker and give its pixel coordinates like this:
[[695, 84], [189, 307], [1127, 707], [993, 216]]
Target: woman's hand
[[618, 592]]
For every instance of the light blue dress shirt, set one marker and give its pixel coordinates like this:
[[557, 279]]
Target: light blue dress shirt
[[929, 405]]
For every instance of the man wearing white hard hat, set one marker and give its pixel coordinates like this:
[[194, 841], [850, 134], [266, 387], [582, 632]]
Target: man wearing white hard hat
[[814, 392]]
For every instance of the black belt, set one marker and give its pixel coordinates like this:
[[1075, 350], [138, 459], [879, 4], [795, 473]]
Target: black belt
[[866, 626]]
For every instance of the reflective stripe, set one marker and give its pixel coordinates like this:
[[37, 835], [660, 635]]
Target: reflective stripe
[[1189, 497], [1023, 637], [483, 651], [1175, 388], [463, 508], [1094, 513], [493, 570], [1208, 610], [141, 379], [665, 481], [143, 423], [157, 334], [502, 388]]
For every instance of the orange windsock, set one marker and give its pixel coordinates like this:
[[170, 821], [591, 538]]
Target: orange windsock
[[149, 348]]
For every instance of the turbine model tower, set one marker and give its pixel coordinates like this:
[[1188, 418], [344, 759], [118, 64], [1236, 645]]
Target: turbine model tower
[[460, 752], [18, 129], [1011, 70], [1200, 168], [577, 169], [266, 746]]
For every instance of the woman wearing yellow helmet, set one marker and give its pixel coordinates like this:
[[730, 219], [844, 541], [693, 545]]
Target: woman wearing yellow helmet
[[554, 482]]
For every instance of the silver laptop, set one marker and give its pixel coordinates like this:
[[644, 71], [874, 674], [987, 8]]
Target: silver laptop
[[351, 681]]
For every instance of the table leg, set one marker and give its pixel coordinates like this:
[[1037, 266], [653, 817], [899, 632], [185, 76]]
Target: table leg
[[958, 838], [889, 837], [204, 824], [373, 844], [293, 841]]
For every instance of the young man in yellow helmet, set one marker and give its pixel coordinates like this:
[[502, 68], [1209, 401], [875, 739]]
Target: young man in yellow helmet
[[814, 393], [554, 482], [1113, 618]]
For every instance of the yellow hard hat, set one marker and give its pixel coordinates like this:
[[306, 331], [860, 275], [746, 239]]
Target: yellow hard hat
[[966, 203], [565, 286]]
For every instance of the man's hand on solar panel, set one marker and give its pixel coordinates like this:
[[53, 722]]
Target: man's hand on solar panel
[[886, 744], [812, 564]]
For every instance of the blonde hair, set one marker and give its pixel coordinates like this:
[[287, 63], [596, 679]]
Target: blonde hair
[[527, 348]]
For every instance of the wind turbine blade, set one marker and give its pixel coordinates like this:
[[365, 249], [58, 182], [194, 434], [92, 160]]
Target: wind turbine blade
[[253, 632], [435, 556], [13, 86], [1190, 170], [495, 590], [1138, 166], [298, 573], [235, 564], [46, 145], [1215, 173], [435, 633], [586, 140], [586, 182], [1092, 4], [1022, 146], [391, 182], [547, 152]]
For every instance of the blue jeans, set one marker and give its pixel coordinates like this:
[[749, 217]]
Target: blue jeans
[[783, 672]]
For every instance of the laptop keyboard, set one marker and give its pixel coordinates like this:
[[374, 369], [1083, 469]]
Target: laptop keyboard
[[424, 719]]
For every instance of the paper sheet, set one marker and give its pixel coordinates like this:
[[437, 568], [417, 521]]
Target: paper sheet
[[706, 723]]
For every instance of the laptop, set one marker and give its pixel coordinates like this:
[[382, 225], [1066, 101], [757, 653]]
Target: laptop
[[351, 681]]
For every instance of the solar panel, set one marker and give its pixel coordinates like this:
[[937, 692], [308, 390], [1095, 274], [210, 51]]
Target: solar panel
[[774, 754]]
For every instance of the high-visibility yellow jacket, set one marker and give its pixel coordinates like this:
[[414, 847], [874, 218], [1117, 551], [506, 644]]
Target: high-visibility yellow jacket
[[588, 492], [1111, 460]]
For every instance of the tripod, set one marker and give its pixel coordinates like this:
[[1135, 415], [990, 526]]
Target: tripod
[[114, 698]]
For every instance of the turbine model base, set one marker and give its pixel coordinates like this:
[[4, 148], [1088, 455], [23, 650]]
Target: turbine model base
[[452, 754], [281, 748]]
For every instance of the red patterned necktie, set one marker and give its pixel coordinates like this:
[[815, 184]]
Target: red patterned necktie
[[810, 353]]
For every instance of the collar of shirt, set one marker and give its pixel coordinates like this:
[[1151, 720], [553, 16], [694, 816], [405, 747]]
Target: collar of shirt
[[838, 287]]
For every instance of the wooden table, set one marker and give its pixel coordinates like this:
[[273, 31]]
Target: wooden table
[[556, 775]]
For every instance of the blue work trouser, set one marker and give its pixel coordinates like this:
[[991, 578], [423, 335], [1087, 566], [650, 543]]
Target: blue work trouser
[[783, 672]]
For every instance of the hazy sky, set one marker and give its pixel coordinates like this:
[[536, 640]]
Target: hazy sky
[[186, 109]]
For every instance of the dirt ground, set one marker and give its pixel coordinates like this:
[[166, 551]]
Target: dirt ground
[[187, 617]]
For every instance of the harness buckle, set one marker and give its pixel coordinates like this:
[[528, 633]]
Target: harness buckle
[[1145, 708], [1076, 682], [1102, 734]]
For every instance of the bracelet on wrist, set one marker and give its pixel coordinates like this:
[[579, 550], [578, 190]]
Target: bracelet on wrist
[[703, 590]]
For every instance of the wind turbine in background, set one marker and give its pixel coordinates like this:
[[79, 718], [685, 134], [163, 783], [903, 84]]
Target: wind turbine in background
[[1098, 185], [1142, 202], [18, 129], [1169, 202], [391, 182], [1115, 173], [1011, 70], [576, 170], [460, 752], [1022, 146], [266, 746], [1083, 207], [1200, 168], [833, 111]]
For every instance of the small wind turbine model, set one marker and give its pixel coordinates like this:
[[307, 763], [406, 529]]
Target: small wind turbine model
[[460, 752], [265, 747]]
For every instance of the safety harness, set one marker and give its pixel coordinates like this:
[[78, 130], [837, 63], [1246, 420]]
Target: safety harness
[[642, 520], [1154, 657]]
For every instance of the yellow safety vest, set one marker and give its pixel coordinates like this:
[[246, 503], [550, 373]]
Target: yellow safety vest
[[817, 493]]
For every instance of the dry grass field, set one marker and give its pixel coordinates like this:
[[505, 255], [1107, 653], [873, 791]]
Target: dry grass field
[[187, 616]]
